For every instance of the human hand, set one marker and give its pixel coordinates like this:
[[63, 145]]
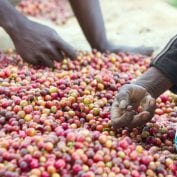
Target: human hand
[[127, 101], [40, 45]]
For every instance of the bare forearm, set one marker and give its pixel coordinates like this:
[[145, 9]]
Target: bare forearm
[[154, 81], [88, 13], [10, 18]]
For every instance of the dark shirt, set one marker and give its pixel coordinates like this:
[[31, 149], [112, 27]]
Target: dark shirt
[[166, 62]]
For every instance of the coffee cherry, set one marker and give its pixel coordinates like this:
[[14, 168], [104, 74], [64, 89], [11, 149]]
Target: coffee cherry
[[57, 123], [56, 11]]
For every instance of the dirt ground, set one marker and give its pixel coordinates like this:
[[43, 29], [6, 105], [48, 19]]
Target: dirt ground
[[128, 22]]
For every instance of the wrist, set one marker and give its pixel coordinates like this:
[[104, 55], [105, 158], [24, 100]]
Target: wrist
[[154, 81], [14, 27], [100, 44], [10, 19]]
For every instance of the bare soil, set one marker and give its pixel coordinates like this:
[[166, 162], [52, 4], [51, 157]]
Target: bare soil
[[128, 22]]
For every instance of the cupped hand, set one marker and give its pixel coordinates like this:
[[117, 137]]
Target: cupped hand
[[40, 45], [124, 108]]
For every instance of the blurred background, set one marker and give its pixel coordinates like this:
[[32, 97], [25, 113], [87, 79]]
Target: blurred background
[[128, 22]]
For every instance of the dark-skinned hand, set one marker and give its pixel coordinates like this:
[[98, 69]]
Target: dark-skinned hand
[[40, 45], [127, 101]]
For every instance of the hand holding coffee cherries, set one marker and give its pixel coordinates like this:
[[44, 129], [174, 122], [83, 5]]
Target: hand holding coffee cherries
[[141, 94], [124, 111]]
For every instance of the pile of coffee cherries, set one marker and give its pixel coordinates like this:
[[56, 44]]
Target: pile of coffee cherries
[[56, 122], [57, 11]]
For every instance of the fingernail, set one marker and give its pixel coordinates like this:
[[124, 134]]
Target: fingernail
[[123, 104]]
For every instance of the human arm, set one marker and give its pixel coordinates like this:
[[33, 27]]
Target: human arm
[[36, 43], [161, 76]]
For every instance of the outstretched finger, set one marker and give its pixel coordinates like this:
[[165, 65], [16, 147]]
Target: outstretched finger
[[46, 62], [67, 49], [54, 54], [59, 57]]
